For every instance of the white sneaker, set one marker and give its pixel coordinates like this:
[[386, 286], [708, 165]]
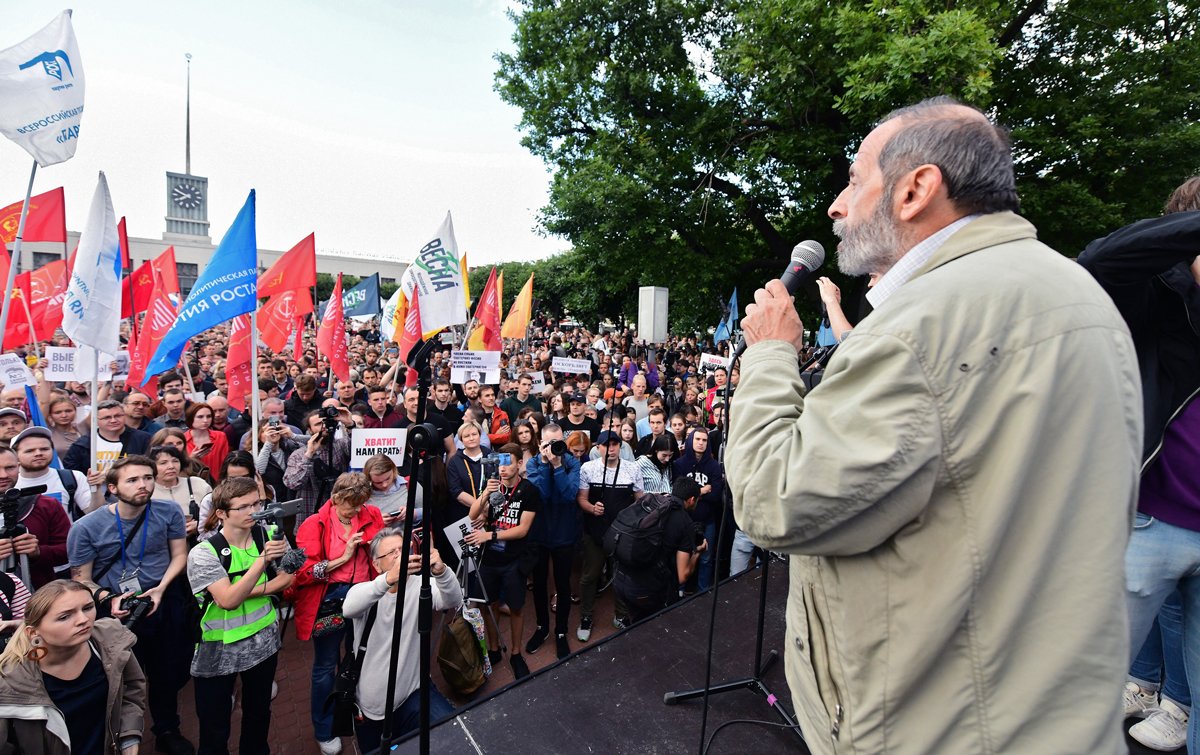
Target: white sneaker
[[1139, 703], [1165, 729], [330, 747]]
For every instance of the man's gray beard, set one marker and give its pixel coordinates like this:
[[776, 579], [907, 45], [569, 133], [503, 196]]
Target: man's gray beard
[[872, 246]]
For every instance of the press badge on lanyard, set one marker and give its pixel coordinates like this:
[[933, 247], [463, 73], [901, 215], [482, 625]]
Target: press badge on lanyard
[[129, 580]]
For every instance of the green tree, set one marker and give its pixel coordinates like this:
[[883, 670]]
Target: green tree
[[693, 143]]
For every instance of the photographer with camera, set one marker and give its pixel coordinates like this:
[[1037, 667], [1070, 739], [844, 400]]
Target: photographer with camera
[[372, 606], [555, 534], [233, 577], [656, 546], [69, 683], [311, 471], [33, 527], [130, 553], [507, 512], [331, 540]]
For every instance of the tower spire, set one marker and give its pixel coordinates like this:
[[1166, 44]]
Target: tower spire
[[188, 128]]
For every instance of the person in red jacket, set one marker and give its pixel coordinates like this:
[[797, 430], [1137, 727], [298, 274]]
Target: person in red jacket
[[334, 541], [495, 419], [45, 521]]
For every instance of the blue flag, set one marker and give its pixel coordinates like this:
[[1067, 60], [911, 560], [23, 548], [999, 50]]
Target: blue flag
[[733, 311], [228, 287], [360, 301], [36, 418], [722, 332]]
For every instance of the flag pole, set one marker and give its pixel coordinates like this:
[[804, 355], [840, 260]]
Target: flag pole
[[15, 260], [95, 431], [255, 405], [32, 331]]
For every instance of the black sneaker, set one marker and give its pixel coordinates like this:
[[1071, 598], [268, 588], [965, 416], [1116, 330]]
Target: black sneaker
[[539, 636], [494, 656], [173, 743], [520, 669], [562, 646], [585, 629]]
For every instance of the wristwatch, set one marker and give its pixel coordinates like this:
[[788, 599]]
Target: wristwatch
[[495, 535]]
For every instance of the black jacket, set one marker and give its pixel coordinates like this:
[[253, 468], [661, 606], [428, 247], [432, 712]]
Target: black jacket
[[79, 455], [1145, 268]]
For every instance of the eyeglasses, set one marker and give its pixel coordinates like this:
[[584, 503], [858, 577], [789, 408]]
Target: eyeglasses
[[252, 506], [389, 554]]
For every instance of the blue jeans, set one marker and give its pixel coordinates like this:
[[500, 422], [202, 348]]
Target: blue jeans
[[742, 555], [1162, 558], [406, 718], [327, 651], [1160, 661], [708, 559]]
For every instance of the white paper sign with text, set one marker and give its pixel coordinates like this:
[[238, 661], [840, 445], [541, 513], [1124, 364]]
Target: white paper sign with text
[[565, 366], [367, 443]]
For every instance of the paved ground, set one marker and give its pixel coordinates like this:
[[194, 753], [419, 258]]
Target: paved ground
[[291, 724]]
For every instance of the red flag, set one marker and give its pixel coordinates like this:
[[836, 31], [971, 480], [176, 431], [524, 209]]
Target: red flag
[[411, 335], [160, 315], [237, 368], [277, 318], [47, 289], [18, 331], [123, 240], [46, 221], [141, 283], [486, 336], [331, 336], [297, 268]]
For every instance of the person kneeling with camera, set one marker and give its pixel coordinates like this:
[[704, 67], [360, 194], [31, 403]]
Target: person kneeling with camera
[[372, 606], [70, 683], [233, 576]]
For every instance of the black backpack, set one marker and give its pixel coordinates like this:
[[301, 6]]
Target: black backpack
[[635, 537]]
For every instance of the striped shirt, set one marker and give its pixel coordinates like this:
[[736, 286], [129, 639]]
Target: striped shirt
[[911, 262]]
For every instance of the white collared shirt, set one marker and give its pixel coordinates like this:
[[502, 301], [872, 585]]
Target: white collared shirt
[[911, 262]]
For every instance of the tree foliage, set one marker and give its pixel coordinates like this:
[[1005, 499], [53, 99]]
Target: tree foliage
[[694, 142]]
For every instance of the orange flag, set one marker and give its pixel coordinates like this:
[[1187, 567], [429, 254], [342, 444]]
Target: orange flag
[[522, 309], [486, 335]]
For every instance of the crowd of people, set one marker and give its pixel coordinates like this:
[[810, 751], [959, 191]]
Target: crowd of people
[[164, 530], [959, 561]]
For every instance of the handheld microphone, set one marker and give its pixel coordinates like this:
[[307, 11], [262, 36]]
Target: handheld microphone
[[807, 258]]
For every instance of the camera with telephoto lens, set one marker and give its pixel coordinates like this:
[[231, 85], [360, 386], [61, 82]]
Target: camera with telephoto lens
[[558, 448], [137, 606], [331, 420]]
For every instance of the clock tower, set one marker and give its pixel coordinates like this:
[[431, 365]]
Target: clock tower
[[187, 195]]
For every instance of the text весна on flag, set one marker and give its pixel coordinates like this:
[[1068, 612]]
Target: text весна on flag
[[437, 275], [227, 288], [41, 92], [92, 305], [360, 301]]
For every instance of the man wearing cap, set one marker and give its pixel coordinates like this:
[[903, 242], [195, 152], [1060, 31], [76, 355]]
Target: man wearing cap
[[44, 542], [12, 421], [606, 487], [576, 420], [34, 447]]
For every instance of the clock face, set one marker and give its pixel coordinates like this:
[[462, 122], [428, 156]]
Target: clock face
[[187, 196]]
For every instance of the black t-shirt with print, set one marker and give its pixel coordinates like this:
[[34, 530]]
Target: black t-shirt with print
[[507, 515]]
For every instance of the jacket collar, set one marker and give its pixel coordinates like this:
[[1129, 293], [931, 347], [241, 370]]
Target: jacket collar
[[983, 232]]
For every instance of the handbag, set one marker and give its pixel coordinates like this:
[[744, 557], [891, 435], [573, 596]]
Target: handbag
[[344, 697], [329, 614]]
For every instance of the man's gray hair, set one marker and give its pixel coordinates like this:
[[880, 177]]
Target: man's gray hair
[[273, 401], [974, 155], [382, 535]]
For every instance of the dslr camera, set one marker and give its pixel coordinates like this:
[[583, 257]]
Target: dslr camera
[[331, 420]]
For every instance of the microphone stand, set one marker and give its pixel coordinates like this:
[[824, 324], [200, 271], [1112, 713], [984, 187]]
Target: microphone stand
[[758, 671], [420, 442]]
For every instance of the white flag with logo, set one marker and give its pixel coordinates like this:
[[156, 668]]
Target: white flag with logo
[[92, 306], [41, 92], [436, 274]]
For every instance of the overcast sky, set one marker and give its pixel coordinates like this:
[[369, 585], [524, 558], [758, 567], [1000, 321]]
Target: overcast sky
[[362, 121]]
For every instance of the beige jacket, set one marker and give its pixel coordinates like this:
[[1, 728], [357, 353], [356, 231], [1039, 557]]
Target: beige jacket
[[958, 491], [39, 727]]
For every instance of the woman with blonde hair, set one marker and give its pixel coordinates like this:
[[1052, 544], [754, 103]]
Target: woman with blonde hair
[[68, 682]]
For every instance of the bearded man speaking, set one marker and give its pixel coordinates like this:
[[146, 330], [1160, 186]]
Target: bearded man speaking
[[958, 491]]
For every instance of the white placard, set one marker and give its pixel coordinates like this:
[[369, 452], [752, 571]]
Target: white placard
[[565, 366], [481, 361], [539, 383], [367, 443], [712, 362], [455, 534], [60, 363], [460, 375], [67, 363], [14, 373]]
